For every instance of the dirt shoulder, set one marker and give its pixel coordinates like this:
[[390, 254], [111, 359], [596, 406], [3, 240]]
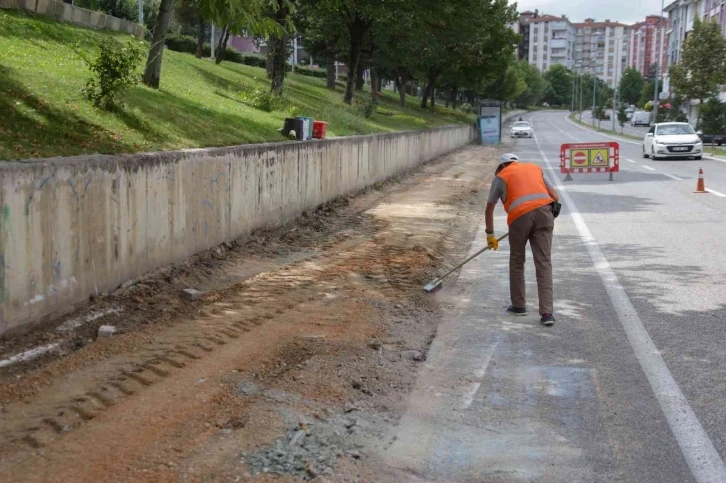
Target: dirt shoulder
[[292, 366]]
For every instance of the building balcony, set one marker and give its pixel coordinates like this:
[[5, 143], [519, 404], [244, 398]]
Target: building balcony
[[559, 26], [558, 43]]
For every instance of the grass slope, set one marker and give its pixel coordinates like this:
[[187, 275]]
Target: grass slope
[[43, 113]]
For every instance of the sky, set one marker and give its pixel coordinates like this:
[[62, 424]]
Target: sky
[[625, 11]]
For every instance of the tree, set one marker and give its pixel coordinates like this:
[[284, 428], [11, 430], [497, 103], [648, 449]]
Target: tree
[[536, 85], [560, 80], [673, 110], [513, 84], [235, 16], [189, 15], [622, 117], [152, 72], [702, 68], [323, 36], [598, 113], [549, 94], [479, 43], [631, 85], [279, 43], [648, 92], [713, 117]]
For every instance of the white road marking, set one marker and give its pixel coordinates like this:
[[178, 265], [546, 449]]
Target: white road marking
[[648, 167], [597, 132], [469, 396], [673, 177], [704, 461], [479, 373], [631, 161], [717, 193], [29, 354], [711, 158]]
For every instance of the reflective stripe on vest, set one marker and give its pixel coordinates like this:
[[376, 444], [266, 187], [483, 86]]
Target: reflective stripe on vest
[[533, 196], [526, 189]]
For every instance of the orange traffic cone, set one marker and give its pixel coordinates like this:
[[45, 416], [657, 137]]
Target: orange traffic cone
[[700, 187]]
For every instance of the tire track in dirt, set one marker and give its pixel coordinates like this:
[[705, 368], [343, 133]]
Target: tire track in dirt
[[373, 254]]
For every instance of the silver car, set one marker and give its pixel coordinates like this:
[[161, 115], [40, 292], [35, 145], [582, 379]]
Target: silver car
[[672, 140], [522, 129]]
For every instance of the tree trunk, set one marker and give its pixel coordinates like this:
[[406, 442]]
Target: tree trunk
[[280, 54], [430, 88], [357, 29], [425, 97], [374, 80], [152, 71], [200, 38], [359, 80], [270, 56], [279, 58], [400, 83], [222, 45], [454, 97], [379, 85], [330, 69]]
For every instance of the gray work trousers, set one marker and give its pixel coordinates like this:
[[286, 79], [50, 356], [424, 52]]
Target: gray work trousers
[[535, 227]]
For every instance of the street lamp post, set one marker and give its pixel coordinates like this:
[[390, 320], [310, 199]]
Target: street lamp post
[[575, 86], [657, 63], [618, 64], [582, 79], [594, 92]]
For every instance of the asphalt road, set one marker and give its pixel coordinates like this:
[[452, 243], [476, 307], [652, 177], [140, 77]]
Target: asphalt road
[[630, 383], [638, 131]]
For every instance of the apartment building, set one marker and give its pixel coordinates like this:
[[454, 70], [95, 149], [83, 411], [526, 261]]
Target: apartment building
[[647, 45], [601, 48], [680, 15], [523, 27], [551, 40]]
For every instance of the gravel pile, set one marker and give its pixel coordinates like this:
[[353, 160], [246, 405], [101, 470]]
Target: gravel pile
[[304, 453]]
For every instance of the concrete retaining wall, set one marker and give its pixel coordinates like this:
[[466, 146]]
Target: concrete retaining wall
[[80, 16], [72, 227]]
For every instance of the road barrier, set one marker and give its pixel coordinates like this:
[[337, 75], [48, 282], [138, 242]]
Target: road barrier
[[65, 12], [589, 158], [78, 226]]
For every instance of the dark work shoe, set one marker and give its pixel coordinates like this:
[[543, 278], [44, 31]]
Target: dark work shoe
[[517, 310], [547, 319]]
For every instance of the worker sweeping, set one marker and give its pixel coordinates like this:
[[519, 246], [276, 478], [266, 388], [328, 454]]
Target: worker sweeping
[[532, 205]]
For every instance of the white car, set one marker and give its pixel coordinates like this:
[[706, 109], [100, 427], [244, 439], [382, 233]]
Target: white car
[[640, 118], [522, 129], [671, 140]]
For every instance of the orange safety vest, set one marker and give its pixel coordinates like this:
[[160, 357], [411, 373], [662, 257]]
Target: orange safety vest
[[526, 189]]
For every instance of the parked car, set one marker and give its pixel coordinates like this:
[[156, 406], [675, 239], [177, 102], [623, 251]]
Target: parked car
[[718, 139], [670, 140], [522, 129], [640, 118]]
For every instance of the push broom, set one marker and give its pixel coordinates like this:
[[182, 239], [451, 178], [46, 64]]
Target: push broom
[[438, 283]]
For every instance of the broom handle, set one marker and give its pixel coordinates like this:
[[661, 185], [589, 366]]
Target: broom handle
[[471, 257]]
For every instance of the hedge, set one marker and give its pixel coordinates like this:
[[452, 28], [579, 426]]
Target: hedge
[[188, 44]]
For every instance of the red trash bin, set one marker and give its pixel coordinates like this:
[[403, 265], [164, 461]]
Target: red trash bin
[[320, 128]]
